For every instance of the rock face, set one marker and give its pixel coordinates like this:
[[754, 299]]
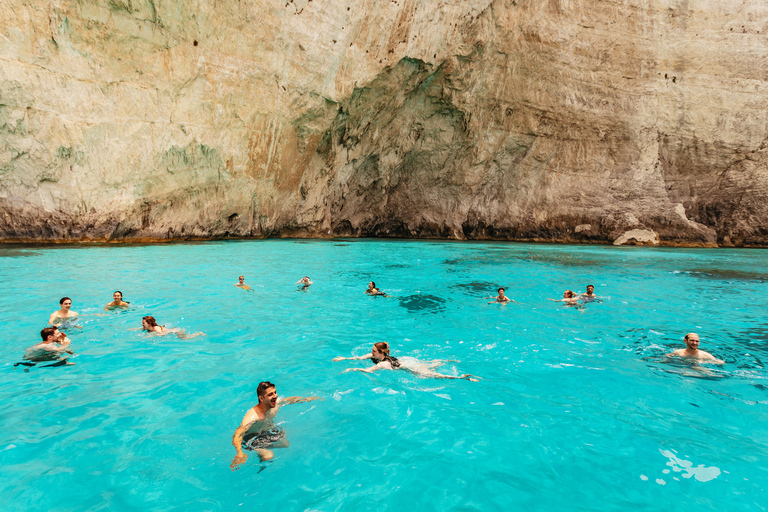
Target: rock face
[[634, 121]]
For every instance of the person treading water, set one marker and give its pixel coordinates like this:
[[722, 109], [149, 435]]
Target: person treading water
[[257, 432], [149, 324], [589, 296], [374, 292], [692, 350], [383, 361], [63, 314], [118, 301], [241, 283], [500, 298], [304, 282], [55, 343]]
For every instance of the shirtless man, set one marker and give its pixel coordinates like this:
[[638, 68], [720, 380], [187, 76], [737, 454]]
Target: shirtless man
[[118, 302], [256, 432], [692, 350], [54, 343], [304, 282], [65, 313], [501, 298], [241, 283], [589, 296]]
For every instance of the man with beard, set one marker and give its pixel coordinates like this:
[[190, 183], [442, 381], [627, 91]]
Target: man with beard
[[257, 432]]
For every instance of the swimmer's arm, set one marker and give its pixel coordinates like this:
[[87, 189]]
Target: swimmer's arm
[[52, 318], [297, 399], [370, 369], [352, 358], [237, 439]]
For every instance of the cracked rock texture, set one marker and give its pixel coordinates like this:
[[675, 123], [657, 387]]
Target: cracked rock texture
[[631, 121]]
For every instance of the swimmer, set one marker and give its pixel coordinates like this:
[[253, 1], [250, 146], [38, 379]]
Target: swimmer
[[241, 283], [500, 298], [65, 313], [371, 286], [383, 361], [53, 345], [149, 324], [256, 432], [118, 302], [692, 350], [570, 299], [589, 296], [304, 282]]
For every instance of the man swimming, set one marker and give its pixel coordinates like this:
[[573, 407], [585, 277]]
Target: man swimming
[[241, 283], [304, 282], [118, 301], [256, 432], [692, 350], [63, 314], [383, 361], [53, 345], [589, 296], [501, 298]]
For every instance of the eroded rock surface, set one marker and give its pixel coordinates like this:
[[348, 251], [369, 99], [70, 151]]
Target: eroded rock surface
[[566, 120]]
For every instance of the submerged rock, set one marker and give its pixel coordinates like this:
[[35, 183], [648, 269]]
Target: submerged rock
[[577, 121]]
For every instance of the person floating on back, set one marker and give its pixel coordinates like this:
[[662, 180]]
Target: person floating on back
[[118, 301], [692, 350], [63, 314], [257, 432], [383, 361]]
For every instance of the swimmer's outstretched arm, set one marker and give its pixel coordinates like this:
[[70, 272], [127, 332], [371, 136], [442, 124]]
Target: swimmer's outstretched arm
[[297, 399], [370, 369], [368, 356]]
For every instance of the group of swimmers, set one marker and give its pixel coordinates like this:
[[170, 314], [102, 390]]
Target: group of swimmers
[[257, 431]]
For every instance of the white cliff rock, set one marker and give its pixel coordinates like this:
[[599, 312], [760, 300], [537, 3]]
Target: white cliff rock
[[155, 119]]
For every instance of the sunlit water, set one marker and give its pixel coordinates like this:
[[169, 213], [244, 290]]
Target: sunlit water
[[575, 411]]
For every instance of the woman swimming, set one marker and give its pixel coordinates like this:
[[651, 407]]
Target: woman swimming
[[64, 314], [118, 302], [383, 361], [149, 324], [569, 297]]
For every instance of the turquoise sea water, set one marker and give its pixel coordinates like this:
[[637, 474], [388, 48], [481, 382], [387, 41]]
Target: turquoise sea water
[[577, 410]]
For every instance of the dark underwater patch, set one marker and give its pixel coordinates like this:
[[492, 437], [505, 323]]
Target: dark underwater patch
[[422, 303]]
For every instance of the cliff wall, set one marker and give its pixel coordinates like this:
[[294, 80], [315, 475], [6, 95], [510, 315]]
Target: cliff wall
[[630, 121]]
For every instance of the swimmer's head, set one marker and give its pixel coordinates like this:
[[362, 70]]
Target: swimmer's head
[[241, 278], [65, 300], [380, 350], [148, 322], [371, 285], [692, 340], [568, 294], [48, 332], [267, 393], [118, 295], [590, 288], [501, 291]]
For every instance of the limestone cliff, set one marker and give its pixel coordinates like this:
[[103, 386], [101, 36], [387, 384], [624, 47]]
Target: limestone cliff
[[631, 121]]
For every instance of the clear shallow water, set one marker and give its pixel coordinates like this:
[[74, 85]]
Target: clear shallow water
[[576, 411]]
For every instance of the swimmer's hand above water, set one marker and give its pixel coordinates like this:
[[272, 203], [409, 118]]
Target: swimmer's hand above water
[[237, 461]]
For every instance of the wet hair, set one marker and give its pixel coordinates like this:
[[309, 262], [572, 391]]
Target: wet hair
[[150, 320], [687, 335], [570, 293], [383, 347], [593, 286], [501, 289], [47, 331], [263, 387], [374, 284], [117, 291], [63, 299]]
